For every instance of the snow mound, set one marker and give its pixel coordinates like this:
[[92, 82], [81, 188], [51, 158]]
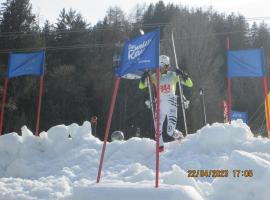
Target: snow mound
[[63, 162], [133, 192], [223, 137]]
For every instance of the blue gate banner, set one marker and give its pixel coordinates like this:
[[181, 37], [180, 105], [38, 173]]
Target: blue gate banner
[[246, 63], [139, 54], [21, 64], [239, 115]]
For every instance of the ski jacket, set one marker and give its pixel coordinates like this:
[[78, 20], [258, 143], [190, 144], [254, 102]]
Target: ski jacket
[[168, 82]]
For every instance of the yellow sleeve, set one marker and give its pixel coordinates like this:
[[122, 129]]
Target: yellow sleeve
[[142, 85], [175, 79], [154, 79]]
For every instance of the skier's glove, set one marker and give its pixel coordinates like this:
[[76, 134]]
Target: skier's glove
[[181, 73], [144, 76]]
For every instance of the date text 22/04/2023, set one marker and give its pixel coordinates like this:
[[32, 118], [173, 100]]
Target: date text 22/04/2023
[[220, 173]]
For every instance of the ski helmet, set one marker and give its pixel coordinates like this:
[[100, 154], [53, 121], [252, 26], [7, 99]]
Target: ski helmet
[[164, 61], [117, 135]]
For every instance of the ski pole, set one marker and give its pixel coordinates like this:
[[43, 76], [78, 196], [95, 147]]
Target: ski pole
[[203, 106], [180, 87], [150, 92], [151, 101]]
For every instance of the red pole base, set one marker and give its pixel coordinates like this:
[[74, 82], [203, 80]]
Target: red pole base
[[108, 125], [3, 105], [267, 105], [39, 105]]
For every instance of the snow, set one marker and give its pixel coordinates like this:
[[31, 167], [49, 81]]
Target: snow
[[63, 162]]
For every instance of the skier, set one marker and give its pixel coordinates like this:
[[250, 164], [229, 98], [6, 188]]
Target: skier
[[168, 98]]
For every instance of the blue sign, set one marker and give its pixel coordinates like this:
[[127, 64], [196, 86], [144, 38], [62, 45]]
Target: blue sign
[[139, 54], [239, 115], [246, 63], [21, 64]]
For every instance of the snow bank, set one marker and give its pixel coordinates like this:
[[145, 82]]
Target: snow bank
[[133, 192], [63, 162]]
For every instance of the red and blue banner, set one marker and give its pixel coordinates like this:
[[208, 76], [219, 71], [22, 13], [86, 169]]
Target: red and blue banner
[[139, 54], [246, 63], [21, 64]]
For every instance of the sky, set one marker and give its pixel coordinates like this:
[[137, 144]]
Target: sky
[[93, 11]]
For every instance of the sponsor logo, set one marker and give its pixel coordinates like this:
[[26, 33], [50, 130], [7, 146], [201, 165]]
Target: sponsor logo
[[134, 51]]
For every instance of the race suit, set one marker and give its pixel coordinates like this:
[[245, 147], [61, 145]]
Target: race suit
[[168, 100]]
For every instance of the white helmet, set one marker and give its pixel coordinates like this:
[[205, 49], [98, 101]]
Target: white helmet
[[164, 61]]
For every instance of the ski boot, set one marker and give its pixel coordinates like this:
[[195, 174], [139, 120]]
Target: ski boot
[[161, 149], [177, 135]]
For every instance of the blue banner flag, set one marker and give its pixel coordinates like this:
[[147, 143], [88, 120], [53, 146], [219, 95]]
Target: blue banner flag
[[246, 63], [239, 115], [140, 53], [21, 64]]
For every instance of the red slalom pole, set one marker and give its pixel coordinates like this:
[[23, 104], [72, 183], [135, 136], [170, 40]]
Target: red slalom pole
[[229, 100], [3, 104], [229, 85], [108, 125], [39, 105], [158, 124]]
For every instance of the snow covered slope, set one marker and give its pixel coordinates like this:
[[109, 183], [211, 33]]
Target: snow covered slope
[[54, 166]]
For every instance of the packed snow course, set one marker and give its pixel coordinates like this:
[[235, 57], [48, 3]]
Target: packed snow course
[[55, 166]]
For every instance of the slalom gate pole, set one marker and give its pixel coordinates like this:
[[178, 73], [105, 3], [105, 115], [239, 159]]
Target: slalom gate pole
[[180, 87], [158, 124], [39, 105], [229, 100], [266, 97], [3, 104], [225, 111], [267, 105], [108, 125], [229, 85]]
